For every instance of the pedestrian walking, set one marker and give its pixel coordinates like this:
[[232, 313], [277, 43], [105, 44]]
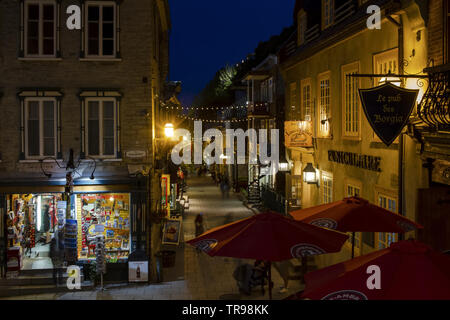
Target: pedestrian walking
[[199, 229]]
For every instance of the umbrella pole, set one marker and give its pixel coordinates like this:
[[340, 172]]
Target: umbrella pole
[[270, 280], [353, 245]]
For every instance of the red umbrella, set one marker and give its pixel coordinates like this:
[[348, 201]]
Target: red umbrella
[[270, 237], [408, 270], [355, 215]]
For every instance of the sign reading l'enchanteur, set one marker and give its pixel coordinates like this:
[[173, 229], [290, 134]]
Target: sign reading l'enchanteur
[[388, 109]]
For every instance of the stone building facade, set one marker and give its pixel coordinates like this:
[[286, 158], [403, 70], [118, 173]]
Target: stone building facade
[[331, 42], [94, 91]]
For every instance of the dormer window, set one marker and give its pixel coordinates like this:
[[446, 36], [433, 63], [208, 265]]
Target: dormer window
[[302, 25], [327, 13]]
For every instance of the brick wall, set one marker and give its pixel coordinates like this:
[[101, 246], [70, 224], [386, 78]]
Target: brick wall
[[70, 75]]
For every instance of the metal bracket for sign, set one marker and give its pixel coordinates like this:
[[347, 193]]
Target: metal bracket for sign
[[419, 78], [387, 75]]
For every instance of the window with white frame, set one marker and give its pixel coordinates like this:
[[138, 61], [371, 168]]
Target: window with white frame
[[384, 63], [324, 105], [350, 100], [306, 99], [327, 188], [101, 123], [39, 33], [354, 191], [40, 128], [327, 13], [302, 26], [385, 239], [100, 29], [264, 91], [293, 95]]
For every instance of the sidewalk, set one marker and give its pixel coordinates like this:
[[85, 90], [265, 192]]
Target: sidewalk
[[196, 276]]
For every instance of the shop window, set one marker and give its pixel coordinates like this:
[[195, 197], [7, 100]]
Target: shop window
[[324, 106], [385, 239], [40, 128], [107, 215], [327, 13], [101, 29], [351, 117], [306, 99], [39, 30], [32, 222]]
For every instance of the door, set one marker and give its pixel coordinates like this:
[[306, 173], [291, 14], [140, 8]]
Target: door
[[434, 215]]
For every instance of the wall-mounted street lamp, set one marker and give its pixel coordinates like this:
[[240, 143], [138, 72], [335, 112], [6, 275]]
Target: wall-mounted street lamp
[[169, 130], [390, 78], [310, 175]]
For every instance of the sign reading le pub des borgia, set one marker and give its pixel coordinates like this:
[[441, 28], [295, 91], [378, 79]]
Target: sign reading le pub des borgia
[[388, 109]]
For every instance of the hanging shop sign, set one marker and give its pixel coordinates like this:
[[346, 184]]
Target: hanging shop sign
[[388, 109], [298, 134], [356, 160]]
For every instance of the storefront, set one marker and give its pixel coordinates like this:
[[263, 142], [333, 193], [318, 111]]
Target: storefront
[[31, 219]]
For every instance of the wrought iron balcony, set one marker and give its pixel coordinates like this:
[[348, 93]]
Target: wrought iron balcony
[[434, 109], [258, 110]]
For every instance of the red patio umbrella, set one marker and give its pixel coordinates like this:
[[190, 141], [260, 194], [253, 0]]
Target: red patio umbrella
[[270, 237], [355, 215], [408, 270]]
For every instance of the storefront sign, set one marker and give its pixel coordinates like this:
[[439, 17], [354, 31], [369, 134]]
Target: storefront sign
[[298, 134], [356, 160], [388, 109], [136, 154]]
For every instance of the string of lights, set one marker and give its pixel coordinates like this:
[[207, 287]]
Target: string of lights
[[210, 108], [211, 121]]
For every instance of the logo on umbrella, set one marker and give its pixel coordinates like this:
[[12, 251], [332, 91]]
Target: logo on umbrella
[[306, 249], [325, 223], [346, 295], [206, 245], [406, 226]]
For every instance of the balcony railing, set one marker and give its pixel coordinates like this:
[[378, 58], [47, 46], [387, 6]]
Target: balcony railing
[[434, 109]]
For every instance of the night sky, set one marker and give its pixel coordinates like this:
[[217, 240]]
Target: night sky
[[209, 34]]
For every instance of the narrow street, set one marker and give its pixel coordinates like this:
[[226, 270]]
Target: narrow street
[[196, 276]]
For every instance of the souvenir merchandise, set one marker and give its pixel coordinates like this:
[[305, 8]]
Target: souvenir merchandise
[[105, 215]]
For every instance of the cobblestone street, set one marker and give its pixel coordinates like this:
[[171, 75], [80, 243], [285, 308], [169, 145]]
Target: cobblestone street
[[197, 276]]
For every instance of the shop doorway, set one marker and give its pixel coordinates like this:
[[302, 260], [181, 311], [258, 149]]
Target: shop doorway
[[32, 223], [434, 215]]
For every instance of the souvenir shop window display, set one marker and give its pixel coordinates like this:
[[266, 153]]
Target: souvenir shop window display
[[107, 215], [31, 219]]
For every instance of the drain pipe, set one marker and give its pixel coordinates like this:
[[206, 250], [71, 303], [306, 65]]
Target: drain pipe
[[401, 145]]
